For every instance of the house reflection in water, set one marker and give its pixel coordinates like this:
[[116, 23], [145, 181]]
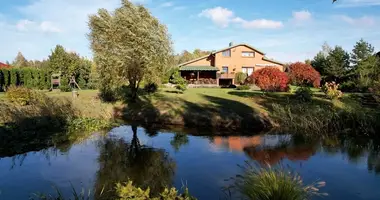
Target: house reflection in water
[[268, 149]]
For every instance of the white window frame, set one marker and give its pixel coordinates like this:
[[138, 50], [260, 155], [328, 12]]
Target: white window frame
[[223, 69], [248, 54], [247, 70], [226, 53]]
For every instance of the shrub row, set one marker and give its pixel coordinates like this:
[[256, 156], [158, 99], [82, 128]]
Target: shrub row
[[28, 77], [273, 80]]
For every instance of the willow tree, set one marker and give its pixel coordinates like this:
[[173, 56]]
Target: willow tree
[[129, 45]]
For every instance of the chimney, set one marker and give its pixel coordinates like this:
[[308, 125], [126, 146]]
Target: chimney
[[231, 44]]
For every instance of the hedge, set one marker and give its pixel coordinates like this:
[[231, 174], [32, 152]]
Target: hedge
[[29, 77]]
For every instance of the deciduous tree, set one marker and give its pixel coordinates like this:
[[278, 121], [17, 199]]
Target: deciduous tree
[[303, 74], [20, 61], [129, 44]]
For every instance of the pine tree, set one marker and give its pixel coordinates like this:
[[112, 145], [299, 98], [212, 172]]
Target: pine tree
[[320, 63], [338, 64], [362, 51]]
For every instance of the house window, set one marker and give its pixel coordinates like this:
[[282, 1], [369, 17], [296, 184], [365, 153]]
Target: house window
[[225, 69], [247, 70], [226, 53], [248, 54]]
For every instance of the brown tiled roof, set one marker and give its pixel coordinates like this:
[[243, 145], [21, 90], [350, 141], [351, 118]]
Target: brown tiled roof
[[214, 52], [3, 65]]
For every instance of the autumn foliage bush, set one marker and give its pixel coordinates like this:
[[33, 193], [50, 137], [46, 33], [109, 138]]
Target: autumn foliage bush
[[303, 74], [270, 79]]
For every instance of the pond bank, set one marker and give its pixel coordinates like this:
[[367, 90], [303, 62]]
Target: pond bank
[[211, 110], [249, 112]]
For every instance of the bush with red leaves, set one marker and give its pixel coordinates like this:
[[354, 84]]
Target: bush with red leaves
[[270, 79], [303, 74]]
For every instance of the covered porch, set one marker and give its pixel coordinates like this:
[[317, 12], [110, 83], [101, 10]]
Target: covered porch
[[206, 75]]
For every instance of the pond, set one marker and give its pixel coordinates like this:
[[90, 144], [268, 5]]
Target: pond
[[350, 167]]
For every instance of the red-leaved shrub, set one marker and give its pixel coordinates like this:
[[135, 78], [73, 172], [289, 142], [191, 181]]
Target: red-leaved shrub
[[270, 79], [304, 74]]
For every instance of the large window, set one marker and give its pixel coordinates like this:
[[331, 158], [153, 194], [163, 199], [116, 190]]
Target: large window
[[226, 53], [248, 54], [247, 70], [225, 69]]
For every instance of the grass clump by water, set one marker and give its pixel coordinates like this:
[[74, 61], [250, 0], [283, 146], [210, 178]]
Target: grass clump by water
[[273, 184], [125, 191], [128, 191]]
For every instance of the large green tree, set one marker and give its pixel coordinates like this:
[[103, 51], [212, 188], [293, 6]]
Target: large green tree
[[70, 64], [361, 52], [20, 61], [338, 64], [320, 63], [368, 71], [129, 45]]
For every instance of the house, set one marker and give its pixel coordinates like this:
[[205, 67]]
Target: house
[[3, 65], [220, 67]]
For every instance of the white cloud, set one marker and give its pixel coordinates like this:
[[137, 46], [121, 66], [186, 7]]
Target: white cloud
[[24, 25], [42, 24], [362, 21], [262, 24], [220, 16], [301, 16], [358, 3], [223, 17], [167, 4], [47, 26]]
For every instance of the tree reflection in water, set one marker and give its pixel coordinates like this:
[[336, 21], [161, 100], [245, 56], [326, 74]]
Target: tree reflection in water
[[178, 141], [120, 161]]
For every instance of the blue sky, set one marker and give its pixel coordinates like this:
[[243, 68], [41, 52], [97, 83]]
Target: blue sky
[[287, 30]]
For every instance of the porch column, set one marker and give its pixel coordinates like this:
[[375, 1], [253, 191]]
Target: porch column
[[197, 77]]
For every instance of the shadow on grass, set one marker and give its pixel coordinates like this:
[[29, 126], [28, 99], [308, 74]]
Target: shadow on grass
[[173, 91], [266, 100], [217, 115]]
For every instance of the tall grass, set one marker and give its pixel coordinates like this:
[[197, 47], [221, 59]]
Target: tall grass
[[270, 183], [75, 195], [39, 112], [126, 191], [309, 118]]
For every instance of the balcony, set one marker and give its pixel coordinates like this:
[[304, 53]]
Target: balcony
[[226, 75]]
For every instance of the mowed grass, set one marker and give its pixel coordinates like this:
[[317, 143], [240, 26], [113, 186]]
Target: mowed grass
[[203, 95]]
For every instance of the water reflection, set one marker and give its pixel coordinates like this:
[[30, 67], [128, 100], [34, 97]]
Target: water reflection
[[179, 140], [153, 159], [121, 160], [272, 149]]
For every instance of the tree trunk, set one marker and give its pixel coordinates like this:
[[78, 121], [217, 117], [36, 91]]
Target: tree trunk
[[134, 89]]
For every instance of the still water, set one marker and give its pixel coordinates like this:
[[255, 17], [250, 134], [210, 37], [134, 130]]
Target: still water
[[351, 168]]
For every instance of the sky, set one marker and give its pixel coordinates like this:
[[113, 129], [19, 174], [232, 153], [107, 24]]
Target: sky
[[286, 30]]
